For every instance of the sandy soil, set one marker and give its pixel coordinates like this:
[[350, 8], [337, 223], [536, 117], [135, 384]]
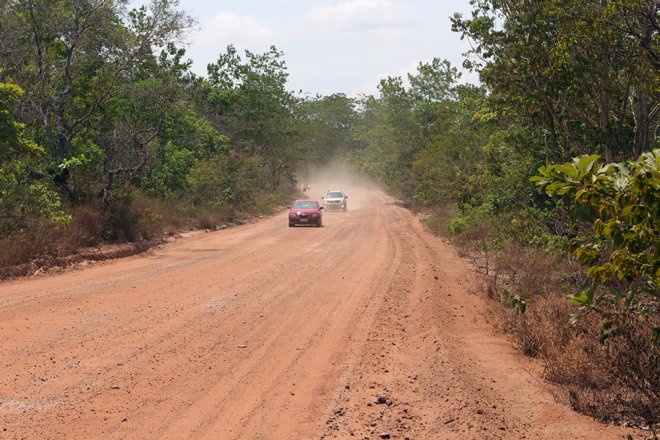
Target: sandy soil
[[366, 328]]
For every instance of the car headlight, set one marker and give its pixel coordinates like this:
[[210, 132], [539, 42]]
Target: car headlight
[[293, 214]]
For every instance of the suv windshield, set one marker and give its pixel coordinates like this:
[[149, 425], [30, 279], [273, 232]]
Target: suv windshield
[[334, 195]]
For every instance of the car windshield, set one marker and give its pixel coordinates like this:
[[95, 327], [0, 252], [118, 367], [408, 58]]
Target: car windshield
[[304, 204], [334, 195]]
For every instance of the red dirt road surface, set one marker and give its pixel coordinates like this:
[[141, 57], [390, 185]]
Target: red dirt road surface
[[366, 328]]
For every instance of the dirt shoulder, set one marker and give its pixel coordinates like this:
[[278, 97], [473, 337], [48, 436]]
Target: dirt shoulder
[[81, 258], [103, 252]]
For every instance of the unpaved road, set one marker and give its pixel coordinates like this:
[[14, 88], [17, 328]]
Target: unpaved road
[[267, 332]]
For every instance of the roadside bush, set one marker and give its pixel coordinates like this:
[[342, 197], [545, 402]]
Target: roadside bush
[[23, 246], [469, 217], [602, 347], [604, 378], [621, 254], [212, 218], [133, 216], [210, 183], [529, 271], [167, 217], [25, 201], [44, 241], [86, 227], [437, 220]]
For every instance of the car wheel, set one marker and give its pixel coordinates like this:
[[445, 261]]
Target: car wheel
[[291, 225]]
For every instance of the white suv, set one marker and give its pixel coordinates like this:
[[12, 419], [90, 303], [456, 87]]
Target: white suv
[[335, 199]]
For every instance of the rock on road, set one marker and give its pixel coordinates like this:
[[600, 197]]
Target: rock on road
[[366, 328]]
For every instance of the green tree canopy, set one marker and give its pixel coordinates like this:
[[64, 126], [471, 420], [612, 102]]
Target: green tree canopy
[[13, 141], [586, 72]]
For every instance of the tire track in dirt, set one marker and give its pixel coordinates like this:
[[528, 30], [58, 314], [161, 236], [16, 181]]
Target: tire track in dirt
[[436, 370], [270, 332], [314, 354]]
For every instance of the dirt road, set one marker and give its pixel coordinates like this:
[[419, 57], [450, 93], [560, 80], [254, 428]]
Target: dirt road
[[366, 328]]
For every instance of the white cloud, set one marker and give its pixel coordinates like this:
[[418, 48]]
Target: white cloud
[[378, 17], [241, 30]]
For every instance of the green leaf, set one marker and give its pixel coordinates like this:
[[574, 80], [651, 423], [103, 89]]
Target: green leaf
[[586, 163], [584, 297]]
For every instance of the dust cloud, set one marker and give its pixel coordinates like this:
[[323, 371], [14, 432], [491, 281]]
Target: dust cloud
[[316, 180]]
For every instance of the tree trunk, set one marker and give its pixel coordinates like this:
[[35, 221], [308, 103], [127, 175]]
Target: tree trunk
[[642, 122], [604, 101], [642, 103]]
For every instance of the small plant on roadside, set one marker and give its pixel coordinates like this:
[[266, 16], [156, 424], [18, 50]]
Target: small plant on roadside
[[621, 203]]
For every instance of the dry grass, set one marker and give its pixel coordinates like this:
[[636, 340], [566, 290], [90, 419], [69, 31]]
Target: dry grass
[[38, 240], [213, 219], [614, 380], [436, 220], [131, 220], [86, 227]]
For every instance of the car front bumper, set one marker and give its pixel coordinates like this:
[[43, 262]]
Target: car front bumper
[[334, 206], [304, 221]]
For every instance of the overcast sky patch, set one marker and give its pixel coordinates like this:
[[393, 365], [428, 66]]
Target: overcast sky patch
[[368, 16], [330, 45], [241, 30]]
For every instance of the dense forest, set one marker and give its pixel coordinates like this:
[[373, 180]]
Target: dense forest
[[546, 174]]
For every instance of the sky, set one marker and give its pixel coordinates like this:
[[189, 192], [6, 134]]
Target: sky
[[331, 46]]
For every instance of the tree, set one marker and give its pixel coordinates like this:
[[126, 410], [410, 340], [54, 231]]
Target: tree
[[326, 124], [186, 139], [71, 56], [433, 84], [450, 167], [389, 136], [13, 142], [24, 199], [396, 126], [135, 116], [254, 109], [572, 69]]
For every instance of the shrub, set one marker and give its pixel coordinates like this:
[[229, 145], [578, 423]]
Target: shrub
[[621, 203], [26, 200], [86, 226]]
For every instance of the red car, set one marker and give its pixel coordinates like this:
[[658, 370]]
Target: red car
[[305, 212]]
